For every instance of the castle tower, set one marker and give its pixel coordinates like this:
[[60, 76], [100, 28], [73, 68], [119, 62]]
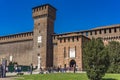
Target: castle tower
[[44, 17]]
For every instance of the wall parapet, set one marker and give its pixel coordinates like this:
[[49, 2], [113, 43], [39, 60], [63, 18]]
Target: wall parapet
[[16, 37]]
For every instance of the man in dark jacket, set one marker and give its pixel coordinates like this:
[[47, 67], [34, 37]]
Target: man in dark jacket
[[31, 68]]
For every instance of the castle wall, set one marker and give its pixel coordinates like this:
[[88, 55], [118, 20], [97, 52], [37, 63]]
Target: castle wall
[[63, 47], [21, 51], [61, 43], [19, 46]]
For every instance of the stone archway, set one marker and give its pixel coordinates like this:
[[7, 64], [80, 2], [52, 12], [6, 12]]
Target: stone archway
[[72, 63]]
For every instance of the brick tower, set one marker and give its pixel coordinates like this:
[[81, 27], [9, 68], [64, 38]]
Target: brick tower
[[44, 17]]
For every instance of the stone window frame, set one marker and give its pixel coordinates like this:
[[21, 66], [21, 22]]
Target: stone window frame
[[65, 54], [69, 51]]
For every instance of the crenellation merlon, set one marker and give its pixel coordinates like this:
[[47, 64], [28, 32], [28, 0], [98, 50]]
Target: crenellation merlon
[[107, 27], [44, 11], [16, 37], [44, 6]]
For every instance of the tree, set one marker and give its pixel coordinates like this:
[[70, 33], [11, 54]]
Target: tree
[[95, 59], [114, 53]]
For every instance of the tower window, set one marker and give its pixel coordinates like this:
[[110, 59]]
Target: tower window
[[75, 51], [60, 40], [95, 32], [109, 30], [38, 46], [72, 52], [64, 39], [68, 39], [39, 31], [38, 24], [91, 33], [114, 29], [77, 38], [68, 51], [105, 31], [100, 32], [64, 52], [86, 33], [38, 54], [73, 39]]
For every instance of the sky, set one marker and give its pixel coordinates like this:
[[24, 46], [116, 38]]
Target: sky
[[72, 15]]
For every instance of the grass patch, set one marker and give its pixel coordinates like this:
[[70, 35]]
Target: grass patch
[[112, 77], [65, 76]]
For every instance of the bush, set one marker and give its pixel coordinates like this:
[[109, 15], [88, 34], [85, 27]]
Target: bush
[[96, 59]]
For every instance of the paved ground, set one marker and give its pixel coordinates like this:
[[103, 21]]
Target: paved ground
[[9, 76], [6, 78]]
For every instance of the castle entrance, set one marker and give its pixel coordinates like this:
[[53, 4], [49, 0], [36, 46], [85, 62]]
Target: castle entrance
[[72, 63]]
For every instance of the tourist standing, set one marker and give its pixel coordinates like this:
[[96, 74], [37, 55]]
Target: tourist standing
[[1, 71]]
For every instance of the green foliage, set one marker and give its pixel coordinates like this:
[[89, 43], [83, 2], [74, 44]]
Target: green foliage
[[12, 63], [95, 59], [114, 53]]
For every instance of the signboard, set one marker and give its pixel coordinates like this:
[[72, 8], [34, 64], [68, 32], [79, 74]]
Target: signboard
[[72, 52], [39, 39]]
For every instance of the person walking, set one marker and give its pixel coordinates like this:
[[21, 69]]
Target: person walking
[[74, 68], [31, 68]]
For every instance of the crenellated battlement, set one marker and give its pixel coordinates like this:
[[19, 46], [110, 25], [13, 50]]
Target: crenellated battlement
[[44, 11], [16, 37]]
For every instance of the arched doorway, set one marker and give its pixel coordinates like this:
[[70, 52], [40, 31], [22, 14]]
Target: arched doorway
[[72, 63]]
